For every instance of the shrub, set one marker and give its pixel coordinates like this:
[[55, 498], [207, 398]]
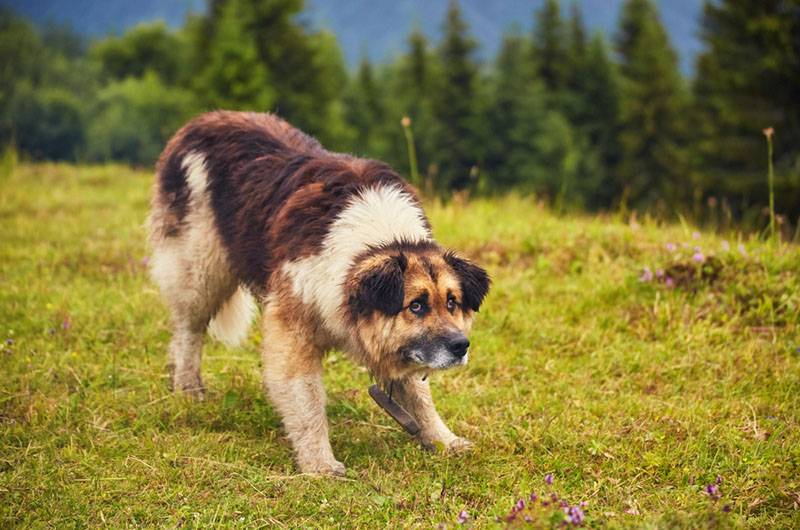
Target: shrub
[[135, 117], [47, 123]]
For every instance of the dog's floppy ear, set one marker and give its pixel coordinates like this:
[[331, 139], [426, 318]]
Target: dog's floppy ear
[[474, 280], [380, 288]]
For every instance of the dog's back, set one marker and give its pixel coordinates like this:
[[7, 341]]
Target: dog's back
[[272, 191]]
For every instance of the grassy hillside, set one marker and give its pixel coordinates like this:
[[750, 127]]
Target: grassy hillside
[[634, 388]]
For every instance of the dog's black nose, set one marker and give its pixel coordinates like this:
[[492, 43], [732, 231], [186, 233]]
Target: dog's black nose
[[458, 345]]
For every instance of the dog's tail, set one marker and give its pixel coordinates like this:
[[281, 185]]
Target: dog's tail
[[232, 322]]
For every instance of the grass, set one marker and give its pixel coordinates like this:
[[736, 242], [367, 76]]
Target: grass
[[634, 393]]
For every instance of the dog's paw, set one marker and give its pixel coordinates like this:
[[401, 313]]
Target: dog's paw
[[188, 384], [460, 445], [192, 390], [332, 468], [454, 446]]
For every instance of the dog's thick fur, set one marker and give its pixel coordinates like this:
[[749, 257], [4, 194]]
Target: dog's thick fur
[[336, 250]]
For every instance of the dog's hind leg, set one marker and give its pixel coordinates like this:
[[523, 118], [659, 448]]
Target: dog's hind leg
[[292, 367], [190, 266], [414, 395], [185, 352], [195, 282]]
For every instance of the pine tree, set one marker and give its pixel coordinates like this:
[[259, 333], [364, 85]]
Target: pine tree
[[367, 111], [654, 161], [457, 141], [532, 147], [601, 88], [234, 77], [576, 55], [572, 98], [516, 117], [749, 79], [550, 52], [305, 68]]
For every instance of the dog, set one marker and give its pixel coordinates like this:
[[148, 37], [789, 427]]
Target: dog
[[336, 250]]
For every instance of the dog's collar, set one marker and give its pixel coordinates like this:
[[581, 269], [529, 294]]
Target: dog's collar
[[394, 409]]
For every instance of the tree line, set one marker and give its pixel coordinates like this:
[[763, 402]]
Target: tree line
[[579, 118]]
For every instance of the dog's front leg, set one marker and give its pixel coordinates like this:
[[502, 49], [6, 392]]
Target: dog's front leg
[[414, 395], [293, 379]]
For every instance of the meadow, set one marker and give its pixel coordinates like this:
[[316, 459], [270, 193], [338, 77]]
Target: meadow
[[650, 371]]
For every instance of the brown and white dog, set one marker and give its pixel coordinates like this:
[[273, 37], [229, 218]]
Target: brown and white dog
[[336, 250]]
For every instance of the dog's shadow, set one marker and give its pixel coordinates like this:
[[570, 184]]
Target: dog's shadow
[[243, 409]]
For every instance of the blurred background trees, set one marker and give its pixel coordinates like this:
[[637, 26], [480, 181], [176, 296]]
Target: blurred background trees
[[579, 118]]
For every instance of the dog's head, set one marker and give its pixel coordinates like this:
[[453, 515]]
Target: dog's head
[[412, 306]]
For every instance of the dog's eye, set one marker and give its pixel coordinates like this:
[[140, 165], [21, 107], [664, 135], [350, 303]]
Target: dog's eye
[[416, 307], [451, 303]]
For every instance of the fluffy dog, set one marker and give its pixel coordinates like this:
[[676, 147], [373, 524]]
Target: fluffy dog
[[336, 250]]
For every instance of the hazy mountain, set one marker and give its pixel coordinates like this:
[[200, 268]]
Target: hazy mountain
[[373, 28]]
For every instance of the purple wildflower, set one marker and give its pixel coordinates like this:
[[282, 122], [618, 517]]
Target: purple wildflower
[[698, 257], [520, 505], [671, 247], [742, 250], [725, 245], [533, 497], [712, 491], [10, 342], [575, 515], [548, 479], [718, 480], [659, 273], [462, 517], [669, 282], [647, 275], [695, 235], [66, 324], [726, 508], [145, 261]]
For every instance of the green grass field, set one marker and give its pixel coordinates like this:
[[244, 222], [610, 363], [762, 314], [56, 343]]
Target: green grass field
[[634, 392]]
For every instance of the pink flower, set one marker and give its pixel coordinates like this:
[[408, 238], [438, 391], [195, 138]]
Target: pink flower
[[548, 479], [647, 275], [725, 245], [742, 250], [669, 282], [462, 517], [698, 257], [695, 235], [671, 247]]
